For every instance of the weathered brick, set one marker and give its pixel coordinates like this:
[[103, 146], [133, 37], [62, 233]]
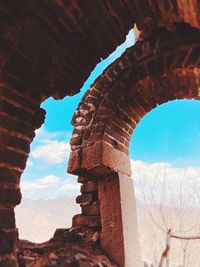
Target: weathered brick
[[7, 241], [9, 176], [8, 262], [15, 142], [91, 209], [9, 94], [76, 140], [17, 125], [7, 218], [15, 111], [89, 186], [82, 179], [90, 221], [87, 198], [10, 196], [13, 158]]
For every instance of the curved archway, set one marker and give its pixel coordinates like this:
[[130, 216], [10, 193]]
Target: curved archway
[[148, 74], [39, 47], [164, 154], [154, 71]]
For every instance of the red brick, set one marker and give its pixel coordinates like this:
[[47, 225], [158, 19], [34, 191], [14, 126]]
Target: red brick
[[90, 221], [10, 196], [92, 209], [87, 198], [7, 218], [90, 186], [7, 241]]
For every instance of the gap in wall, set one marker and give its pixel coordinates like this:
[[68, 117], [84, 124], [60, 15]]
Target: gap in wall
[[48, 192], [165, 157]]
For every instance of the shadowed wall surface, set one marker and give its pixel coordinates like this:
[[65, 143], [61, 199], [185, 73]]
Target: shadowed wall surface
[[49, 49]]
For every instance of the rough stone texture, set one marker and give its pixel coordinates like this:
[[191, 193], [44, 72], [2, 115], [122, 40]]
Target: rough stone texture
[[87, 198], [153, 71], [7, 218], [8, 262], [90, 206], [89, 186], [20, 115], [129, 222], [112, 230], [43, 52], [86, 220], [156, 70], [7, 241], [119, 236], [99, 158], [51, 40], [90, 209], [68, 248]]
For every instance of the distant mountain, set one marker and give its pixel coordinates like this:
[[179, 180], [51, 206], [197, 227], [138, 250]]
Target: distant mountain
[[38, 219]]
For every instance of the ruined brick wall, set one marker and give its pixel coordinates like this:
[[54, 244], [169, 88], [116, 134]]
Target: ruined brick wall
[[162, 68], [158, 69], [43, 50], [51, 41], [90, 207], [20, 115]]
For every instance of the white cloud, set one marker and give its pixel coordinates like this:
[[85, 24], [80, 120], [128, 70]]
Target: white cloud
[[42, 183], [50, 186], [160, 180], [53, 152], [42, 135], [67, 186]]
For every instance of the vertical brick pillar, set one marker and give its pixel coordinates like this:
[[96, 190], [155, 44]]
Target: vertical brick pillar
[[119, 236], [20, 115], [88, 200]]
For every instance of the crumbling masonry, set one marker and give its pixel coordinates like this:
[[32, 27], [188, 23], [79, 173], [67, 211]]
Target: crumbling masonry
[[49, 48]]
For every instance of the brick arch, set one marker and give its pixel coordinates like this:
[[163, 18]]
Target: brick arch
[[43, 51], [154, 71], [20, 116]]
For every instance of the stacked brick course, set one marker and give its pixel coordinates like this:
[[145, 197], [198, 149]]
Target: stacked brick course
[[20, 115], [43, 50], [148, 74], [90, 207], [158, 69]]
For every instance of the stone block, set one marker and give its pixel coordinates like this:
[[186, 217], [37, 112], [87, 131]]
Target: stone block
[[111, 220], [93, 209], [7, 241], [8, 262], [7, 218], [89, 221], [82, 179], [87, 198], [13, 158], [89, 186], [9, 176], [9, 196], [59, 233], [9, 123], [101, 157]]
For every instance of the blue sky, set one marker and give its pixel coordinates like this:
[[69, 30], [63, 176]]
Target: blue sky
[[170, 133]]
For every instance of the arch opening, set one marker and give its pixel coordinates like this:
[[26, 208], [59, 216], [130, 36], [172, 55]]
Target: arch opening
[[44, 182], [35, 68], [150, 73], [164, 156]]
